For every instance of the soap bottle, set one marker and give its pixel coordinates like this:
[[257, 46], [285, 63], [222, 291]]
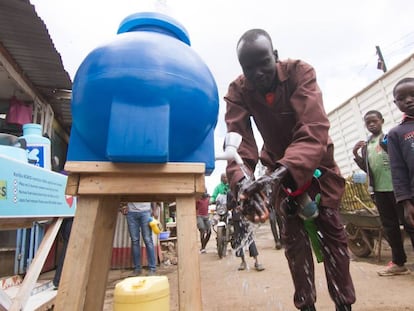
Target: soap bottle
[[37, 146]]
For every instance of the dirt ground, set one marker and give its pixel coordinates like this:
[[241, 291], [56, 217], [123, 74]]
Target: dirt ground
[[226, 288]]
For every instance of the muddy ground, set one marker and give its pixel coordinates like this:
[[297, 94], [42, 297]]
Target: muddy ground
[[225, 288]]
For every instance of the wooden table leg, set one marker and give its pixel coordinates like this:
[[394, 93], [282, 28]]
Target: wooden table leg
[[189, 285], [102, 253], [87, 261], [36, 266]]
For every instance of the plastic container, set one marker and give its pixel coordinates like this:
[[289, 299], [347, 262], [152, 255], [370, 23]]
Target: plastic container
[[143, 294], [164, 235], [155, 225], [308, 207], [359, 177], [37, 146], [148, 95]]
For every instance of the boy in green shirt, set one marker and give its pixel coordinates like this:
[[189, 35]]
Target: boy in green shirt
[[375, 161]]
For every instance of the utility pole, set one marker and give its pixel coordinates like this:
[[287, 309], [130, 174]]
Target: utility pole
[[381, 63]]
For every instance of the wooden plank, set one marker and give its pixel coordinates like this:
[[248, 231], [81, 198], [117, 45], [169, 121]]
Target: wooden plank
[[19, 222], [189, 284], [5, 300], [134, 168], [43, 301], [126, 184], [148, 198], [79, 254], [36, 266], [200, 186], [104, 235], [72, 184]]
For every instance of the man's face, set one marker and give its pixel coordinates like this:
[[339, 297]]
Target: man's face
[[258, 63], [404, 97]]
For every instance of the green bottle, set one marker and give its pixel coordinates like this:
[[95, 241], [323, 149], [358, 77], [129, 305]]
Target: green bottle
[[312, 231], [310, 225]]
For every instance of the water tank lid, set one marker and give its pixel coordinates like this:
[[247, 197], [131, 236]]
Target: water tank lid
[[148, 19]]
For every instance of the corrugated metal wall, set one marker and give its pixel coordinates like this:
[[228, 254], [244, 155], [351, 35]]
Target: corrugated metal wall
[[121, 249], [347, 125]]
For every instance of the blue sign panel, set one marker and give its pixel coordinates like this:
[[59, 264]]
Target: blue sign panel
[[30, 191], [35, 155]]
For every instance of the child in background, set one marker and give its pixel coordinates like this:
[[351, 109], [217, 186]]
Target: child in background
[[375, 161], [401, 148]]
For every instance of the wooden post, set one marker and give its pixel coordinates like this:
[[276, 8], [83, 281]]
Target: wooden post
[[36, 266], [100, 186], [188, 277], [89, 253]]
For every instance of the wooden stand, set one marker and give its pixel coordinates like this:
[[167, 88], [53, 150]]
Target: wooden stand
[[20, 301], [100, 187]]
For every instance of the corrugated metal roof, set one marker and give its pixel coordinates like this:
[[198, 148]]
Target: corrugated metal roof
[[25, 36]]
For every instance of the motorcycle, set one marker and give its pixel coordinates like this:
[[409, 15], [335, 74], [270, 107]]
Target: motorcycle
[[224, 226]]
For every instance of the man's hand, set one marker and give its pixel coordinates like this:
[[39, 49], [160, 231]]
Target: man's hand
[[123, 209], [254, 207], [253, 197], [265, 181]]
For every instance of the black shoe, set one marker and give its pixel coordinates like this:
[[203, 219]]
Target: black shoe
[[343, 307], [309, 308]]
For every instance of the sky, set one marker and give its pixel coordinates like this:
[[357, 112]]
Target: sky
[[338, 38]]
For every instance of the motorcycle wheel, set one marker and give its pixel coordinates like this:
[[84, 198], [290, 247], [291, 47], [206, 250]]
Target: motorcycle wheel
[[275, 228], [357, 244], [221, 242]]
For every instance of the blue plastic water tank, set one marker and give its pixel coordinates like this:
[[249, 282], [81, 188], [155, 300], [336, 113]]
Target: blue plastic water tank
[[146, 96]]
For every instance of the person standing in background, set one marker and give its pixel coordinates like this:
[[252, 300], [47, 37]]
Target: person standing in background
[[375, 162], [243, 236], [203, 220], [401, 149], [221, 188], [138, 216]]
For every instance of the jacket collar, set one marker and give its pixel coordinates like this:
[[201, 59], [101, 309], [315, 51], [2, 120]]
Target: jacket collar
[[407, 118]]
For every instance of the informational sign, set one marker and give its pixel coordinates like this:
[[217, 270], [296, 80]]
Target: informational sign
[[30, 191]]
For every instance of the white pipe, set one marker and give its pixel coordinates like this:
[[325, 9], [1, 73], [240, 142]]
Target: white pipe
[[232, 142]]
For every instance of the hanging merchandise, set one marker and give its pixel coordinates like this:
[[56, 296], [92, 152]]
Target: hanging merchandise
[[19, 112]]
